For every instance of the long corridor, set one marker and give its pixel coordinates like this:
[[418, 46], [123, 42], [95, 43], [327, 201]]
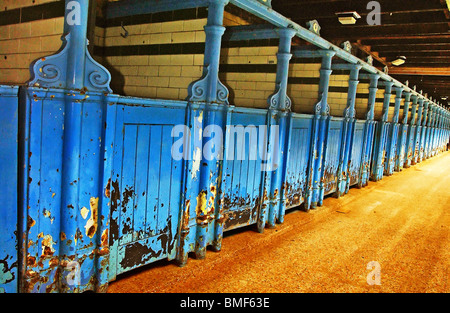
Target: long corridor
[[401, 222]]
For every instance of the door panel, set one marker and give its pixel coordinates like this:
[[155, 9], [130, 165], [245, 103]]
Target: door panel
[[149, 182], [243, 176], [333, 149], [297, 166], [356, 156]]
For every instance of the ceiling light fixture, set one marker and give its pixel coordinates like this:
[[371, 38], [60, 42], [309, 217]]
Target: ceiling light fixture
[[399, 61], [348, 18]]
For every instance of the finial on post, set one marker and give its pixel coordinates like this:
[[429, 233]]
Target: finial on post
[[314, 26], [347, 46]]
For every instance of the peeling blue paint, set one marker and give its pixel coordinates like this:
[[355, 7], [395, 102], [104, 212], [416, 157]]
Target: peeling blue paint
[[99, 191], [9, 115]]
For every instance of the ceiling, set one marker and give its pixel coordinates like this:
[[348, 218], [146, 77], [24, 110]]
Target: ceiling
[[416, 29]]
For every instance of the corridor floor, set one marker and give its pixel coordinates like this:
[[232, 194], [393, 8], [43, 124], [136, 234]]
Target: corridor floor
[[401, 222]]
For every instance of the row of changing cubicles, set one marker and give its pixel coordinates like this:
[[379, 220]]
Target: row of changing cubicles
[[91, 188]]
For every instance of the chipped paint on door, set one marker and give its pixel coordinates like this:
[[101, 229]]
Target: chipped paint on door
[[9, 111], [332, 154], [357, 153], [391, 148], [243, 178], [148, 180], [296, 183]]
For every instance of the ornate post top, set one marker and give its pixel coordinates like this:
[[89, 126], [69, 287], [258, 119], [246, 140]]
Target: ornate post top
[[286, 32], [426, 104], [280, 100], [374, 77], [373, 88], [209, 89], [350, 112], [387, 99], [414, 99], [406, 107], [327, 56], [322, 107], [73, 68], [398, 99], [398, 90], [388, 86]]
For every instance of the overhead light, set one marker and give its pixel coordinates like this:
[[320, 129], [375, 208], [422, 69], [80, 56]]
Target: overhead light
[[348, 18], [399, 61]]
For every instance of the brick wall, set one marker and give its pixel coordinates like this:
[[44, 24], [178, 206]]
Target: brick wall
[[249, 71], [338, 92], [378, 111], [29, 30], [392, 109], [303, 84], [160, 57], [362, 99], [248, 68]]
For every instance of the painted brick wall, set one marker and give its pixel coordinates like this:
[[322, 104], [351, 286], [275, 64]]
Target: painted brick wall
[[337, 93], [249, 72], [303, 84], [29, 30], [247, 68], [160, 57], [391, 109], [378, 113], [379, 106], [362, 99]]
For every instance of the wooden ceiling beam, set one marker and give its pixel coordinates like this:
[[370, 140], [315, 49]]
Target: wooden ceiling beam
[[428, 60], [413, 63], [417, 47], [385, 37], [355, 33], [418, 54], [425, 56], [330, 8], [387, 19], [435, 78], [407, 42], [367, 50], [404, 70]]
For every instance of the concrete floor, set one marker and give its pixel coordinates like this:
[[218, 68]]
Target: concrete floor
[[401, 222]]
